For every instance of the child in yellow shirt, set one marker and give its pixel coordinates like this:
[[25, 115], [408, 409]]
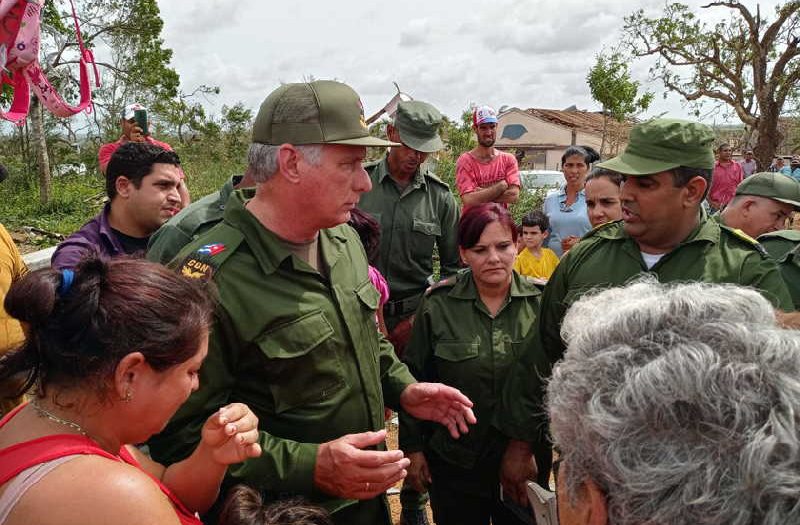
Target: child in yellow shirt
[[534, 260]]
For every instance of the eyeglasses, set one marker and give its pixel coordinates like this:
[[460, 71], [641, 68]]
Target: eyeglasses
[[564, 207]]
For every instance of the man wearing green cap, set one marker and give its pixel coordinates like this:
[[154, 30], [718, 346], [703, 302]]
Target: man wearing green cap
[[667, 166], [295, 335], [762, 204], [416, 212]]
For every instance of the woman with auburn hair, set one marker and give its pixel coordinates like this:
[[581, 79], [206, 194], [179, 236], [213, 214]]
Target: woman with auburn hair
[[468, 330], [113, 350]]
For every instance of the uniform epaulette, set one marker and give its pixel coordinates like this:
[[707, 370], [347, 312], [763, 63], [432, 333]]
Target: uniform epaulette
[[444, 283], [202, 261], [430, 175], [742, 236]]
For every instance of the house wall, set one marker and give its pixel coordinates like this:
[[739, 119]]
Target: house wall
[[539, 131]]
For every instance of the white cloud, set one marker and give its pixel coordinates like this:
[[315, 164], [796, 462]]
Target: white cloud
[[527, 53], [416, 33]]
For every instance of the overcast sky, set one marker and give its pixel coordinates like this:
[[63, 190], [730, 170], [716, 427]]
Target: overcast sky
[[524, 53]]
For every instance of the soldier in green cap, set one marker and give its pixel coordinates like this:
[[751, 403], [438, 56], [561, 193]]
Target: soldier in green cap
[[295, 335], [762, 204], [667, 166], [416, 212]]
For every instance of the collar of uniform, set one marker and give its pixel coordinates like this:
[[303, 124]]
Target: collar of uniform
[[707, 230], [383, 172], [465, 287], [267, 248], [227, 188]]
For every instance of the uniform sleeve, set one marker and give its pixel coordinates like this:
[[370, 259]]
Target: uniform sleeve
[[553, 310], [166, 243], [417, 356], [512, 172], [217, 379], [766, 277], [465, 179], [395, 376], [447, 243]]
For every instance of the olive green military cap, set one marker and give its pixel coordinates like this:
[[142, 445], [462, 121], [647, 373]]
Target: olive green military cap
[[418, 124], [664, 144], [320, 112], [776, 186]]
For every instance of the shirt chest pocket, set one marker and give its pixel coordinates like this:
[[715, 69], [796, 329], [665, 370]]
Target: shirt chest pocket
[[302, 362], [457, 363], [423, 236]]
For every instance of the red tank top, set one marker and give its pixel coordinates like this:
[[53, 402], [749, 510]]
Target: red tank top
[[21, 456]]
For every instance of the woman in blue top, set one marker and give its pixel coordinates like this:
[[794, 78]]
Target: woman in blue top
[[566, 208]]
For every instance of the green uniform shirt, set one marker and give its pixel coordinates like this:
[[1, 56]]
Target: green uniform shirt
[[608, 257], [784, 247], [199, 217], [303, 352], [412, 221], [457, 342]]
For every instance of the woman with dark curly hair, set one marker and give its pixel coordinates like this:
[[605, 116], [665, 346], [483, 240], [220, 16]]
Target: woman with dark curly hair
[[113, 350]]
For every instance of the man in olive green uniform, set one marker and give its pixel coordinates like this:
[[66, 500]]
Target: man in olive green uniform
[[784, 247], [415, 210], [667, 165], [762, 204], [295, 335], [195, 219]]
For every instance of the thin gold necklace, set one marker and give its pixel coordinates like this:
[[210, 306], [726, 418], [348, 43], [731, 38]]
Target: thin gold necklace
[[41, 412]]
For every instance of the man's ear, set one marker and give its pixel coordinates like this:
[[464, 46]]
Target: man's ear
[[288, 163], [695, 191], [124, 186], [545, 234]]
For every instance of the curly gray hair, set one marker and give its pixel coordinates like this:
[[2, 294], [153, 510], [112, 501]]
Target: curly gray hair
[[682, 403]]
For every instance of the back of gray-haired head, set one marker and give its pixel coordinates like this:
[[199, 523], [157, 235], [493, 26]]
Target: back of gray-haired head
[[682, 403]]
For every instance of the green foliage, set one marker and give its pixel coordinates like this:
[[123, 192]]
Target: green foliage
[[612, 87]]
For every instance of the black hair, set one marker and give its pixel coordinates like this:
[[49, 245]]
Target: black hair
[[588, 153], [77, 333], [613, 176], [245, 506], [369, 231], [135, 160], [683, 174], [536, 218]]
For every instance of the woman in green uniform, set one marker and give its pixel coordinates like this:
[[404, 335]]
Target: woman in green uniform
[[468, 330]]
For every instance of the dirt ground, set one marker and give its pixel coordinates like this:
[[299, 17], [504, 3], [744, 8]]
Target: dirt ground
[[394, 498]]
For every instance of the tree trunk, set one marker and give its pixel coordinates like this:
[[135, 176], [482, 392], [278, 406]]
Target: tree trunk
[[40, 146], [605, 131]]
